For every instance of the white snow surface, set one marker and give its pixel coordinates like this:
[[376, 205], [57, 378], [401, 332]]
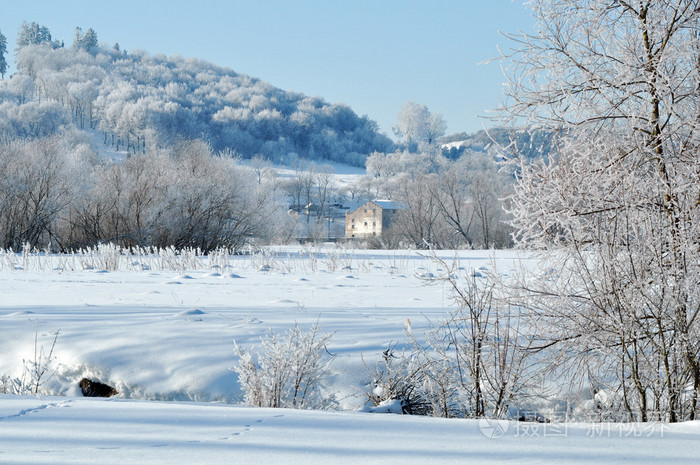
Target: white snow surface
[[61, 430], [164, 340]]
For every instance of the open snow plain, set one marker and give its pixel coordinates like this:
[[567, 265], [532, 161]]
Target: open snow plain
[[161, 330]]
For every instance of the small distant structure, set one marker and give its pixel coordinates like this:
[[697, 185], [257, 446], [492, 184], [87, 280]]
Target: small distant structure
[[316, 223], [371, 219], [312, 210]]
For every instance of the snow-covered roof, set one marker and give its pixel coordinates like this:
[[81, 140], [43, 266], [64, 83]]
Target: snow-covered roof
[[389, 204]]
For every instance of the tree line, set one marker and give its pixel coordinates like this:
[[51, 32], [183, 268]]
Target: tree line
[[447, 204], [57, 193]]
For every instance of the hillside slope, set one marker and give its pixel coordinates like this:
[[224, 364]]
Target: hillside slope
[[138, 101]]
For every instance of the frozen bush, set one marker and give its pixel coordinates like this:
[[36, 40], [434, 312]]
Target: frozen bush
[[285, 371], [397, 385]]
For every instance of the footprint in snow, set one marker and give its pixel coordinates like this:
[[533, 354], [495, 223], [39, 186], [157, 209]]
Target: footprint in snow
[[29, 411], [249, 427]]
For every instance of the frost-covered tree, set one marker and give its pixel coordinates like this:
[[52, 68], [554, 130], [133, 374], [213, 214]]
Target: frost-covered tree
[[78, 37], [449, 203], [619, 202], [21, 87], [87, 41], [416, 125], [32, 34], [477, 357], [473, 362], [420, 223], [34, 192], [142, 101], [183, 197], [3, 52]]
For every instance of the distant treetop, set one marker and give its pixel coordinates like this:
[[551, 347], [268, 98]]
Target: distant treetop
[[32, 34]]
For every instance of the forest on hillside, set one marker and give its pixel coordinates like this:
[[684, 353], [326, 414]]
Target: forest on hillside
[[138, 101]]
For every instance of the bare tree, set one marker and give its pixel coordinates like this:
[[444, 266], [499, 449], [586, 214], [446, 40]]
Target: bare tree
[[475, 362], [262, 167], [483, 344], [618, 202], [420, 223], [185, 197], [34, 191], [452, 195]]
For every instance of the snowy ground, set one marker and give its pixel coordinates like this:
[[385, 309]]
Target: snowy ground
[[159, 334], [61, 430], [168, 335]]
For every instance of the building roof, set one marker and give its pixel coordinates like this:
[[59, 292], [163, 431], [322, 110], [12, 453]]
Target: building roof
[[390, 204], [383, 204]]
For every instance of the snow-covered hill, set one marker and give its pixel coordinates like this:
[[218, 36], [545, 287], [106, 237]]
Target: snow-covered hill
[[143, 102]]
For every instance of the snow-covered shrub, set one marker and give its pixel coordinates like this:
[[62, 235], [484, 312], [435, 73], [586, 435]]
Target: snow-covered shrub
[[286, 371], [397, 385]]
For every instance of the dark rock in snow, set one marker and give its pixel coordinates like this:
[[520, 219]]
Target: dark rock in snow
[[92, 388]]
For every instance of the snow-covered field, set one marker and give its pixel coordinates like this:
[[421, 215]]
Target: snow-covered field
[[61, 430], [164, 339]]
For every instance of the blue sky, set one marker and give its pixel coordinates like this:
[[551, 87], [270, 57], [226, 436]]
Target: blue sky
[[373, 55]]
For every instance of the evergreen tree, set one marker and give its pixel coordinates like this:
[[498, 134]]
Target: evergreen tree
[[32, 34], [87, 41], [77, 37], [3, 51], [90, 40]]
